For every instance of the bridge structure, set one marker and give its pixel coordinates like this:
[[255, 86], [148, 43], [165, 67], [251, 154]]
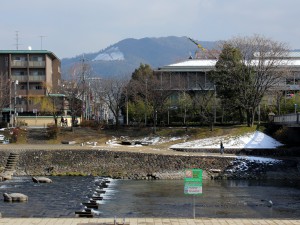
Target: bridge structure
[[290, 120]]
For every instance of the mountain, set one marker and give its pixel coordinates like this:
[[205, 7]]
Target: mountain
[[125, 56]]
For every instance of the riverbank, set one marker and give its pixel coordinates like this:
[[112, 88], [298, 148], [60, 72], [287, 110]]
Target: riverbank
[[127, 162]]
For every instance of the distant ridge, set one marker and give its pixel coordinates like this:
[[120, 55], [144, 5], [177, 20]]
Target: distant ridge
[[123, 57]]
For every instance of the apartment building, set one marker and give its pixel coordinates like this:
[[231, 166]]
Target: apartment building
[[29, 74]]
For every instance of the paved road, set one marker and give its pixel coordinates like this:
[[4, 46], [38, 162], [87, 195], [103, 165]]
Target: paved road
[[146, 221]]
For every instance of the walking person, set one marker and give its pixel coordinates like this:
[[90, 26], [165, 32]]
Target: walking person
[[62, 121], [221, 148]]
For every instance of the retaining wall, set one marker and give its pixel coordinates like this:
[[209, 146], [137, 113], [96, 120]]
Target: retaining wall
[[125, 165], [110, 163]]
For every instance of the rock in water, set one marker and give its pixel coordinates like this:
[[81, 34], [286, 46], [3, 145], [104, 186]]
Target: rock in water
[[15, 197], [41, 180]]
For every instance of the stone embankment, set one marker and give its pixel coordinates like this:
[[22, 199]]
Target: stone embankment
[[137, 165]]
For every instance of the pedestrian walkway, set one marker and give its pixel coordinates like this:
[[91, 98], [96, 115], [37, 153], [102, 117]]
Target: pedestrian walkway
[[145, 221]]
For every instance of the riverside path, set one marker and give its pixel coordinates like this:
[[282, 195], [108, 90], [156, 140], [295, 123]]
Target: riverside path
[[146, 221]]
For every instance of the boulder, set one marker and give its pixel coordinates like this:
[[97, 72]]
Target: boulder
[[15, 197], [6, 176], [41, 180]]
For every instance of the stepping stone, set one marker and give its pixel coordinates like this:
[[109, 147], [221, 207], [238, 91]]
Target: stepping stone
[[41, 180], [15, 197]]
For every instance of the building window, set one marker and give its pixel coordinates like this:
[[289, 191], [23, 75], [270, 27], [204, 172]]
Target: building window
[[19, 101], [38, 87], [18, 72], [37, 72], [19, 58], [37, 58]]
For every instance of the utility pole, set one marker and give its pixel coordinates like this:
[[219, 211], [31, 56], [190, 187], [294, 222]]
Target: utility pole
[[215, 104], [83, 86], [146, 106], [91, 92]]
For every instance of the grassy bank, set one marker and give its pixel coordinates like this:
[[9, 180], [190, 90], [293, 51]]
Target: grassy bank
[[80, 135], [101, 136]]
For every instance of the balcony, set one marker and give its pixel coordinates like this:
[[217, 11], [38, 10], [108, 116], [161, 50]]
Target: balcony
[[35, 64], [19, 77], [31, 92], [37, 78], [19, 64], [24, 64], [30, 78]]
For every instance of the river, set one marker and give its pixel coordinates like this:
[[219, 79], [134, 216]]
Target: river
[[158, 198]]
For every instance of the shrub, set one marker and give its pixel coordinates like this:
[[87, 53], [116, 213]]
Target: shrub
[[91, 124], [3, 124], [52, 131], [14, 135], [281, 134]]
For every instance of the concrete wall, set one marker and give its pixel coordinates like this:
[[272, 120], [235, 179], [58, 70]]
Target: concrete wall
[[41, 121]]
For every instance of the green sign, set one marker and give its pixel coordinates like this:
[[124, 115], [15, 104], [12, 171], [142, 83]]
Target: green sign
[[193, 182]]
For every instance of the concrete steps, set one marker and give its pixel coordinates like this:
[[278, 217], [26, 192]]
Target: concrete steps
[[10, 166]]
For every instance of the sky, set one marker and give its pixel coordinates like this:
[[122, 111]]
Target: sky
[[72, 27]]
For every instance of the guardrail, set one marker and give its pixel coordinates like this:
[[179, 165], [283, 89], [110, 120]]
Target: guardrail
[[288, 119]]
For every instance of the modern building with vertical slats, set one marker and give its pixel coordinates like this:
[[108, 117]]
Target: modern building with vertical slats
[[191, 75]]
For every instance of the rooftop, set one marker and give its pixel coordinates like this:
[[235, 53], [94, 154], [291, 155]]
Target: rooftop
[[51, 54], [293, 60]]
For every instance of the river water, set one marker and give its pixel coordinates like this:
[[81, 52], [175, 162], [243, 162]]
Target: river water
[[158, 198]]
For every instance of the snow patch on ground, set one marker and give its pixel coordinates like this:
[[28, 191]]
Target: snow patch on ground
[[150, 140], [254, 140]]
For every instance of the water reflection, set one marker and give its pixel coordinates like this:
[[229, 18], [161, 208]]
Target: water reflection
[[128, 198]]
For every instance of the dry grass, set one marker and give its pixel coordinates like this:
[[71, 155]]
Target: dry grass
[[101, 136]]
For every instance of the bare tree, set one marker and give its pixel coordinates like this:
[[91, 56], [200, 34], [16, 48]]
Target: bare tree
[[264, 62], [72, 89], [204, 106], [76, 90], [4, 92], [113, 95]]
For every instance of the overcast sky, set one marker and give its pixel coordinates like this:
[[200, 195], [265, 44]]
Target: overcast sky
[[73, 27]]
